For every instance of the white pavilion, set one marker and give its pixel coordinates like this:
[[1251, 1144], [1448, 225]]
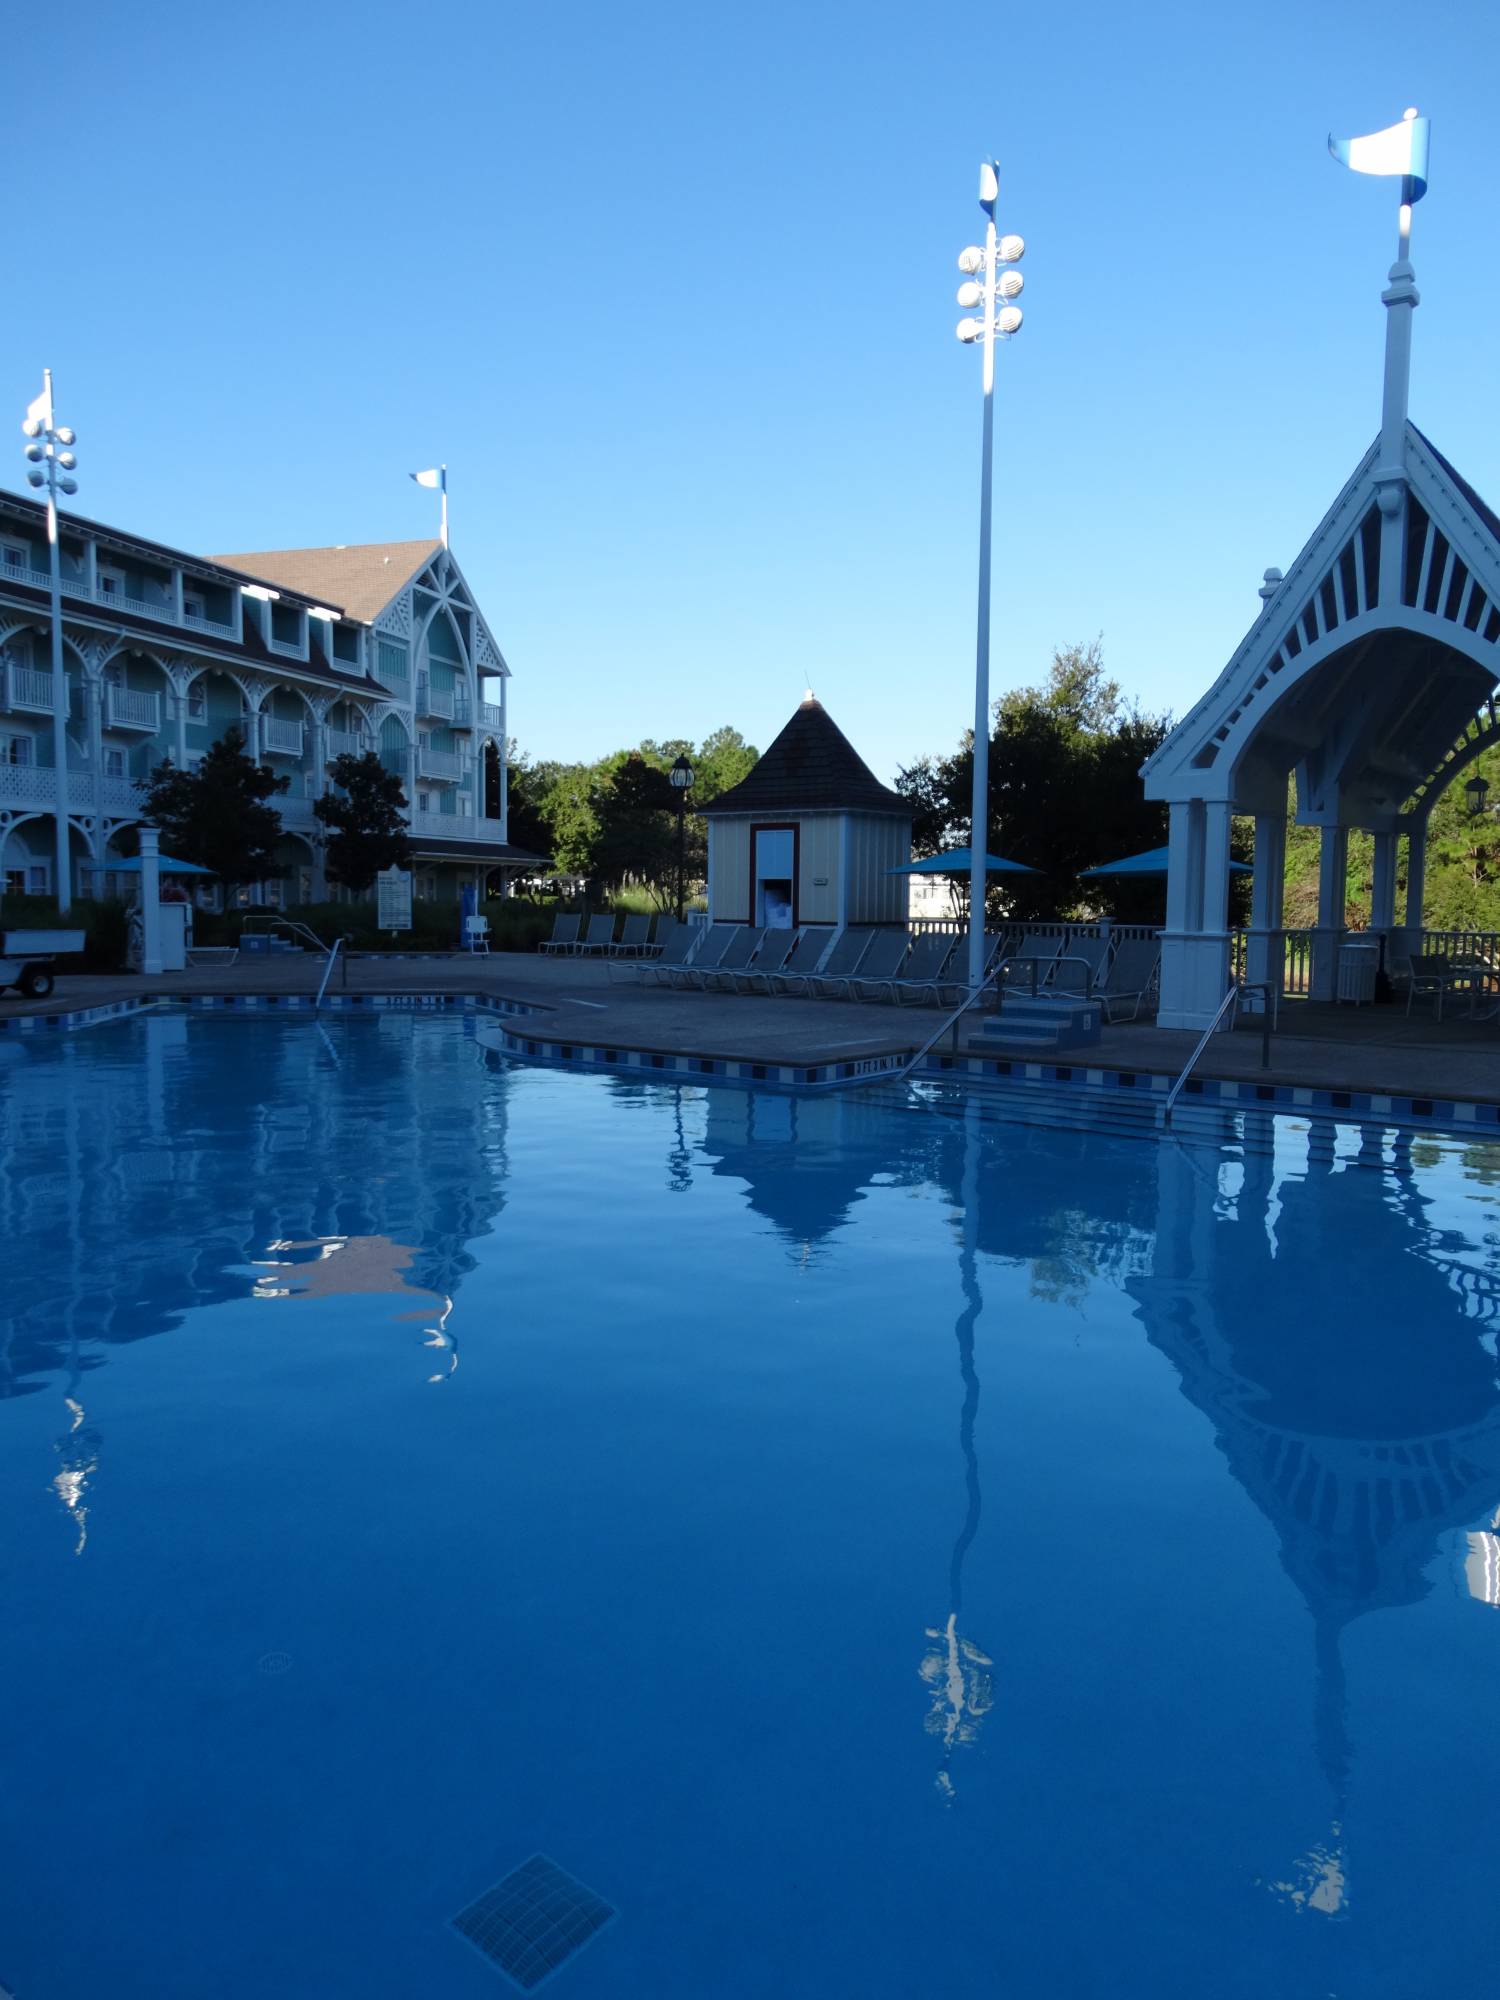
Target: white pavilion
[[1369, 674]]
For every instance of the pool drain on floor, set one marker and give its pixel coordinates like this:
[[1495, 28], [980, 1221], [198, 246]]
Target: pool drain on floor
[[532, 1923]]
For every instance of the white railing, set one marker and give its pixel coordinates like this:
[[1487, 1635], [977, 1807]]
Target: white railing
[[29, 689], [35, 785], [1291, 950], [201, 621], [295, 812], [1473, 947], [284, 738], [455, 826], [346, 743], [131, 708], [293, 649], [444, 765], [489, 715], [163, 610]]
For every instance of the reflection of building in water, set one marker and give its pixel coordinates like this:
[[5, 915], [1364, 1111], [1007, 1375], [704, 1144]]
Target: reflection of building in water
[[805, 1161], [1482, 1564], [1367, 1431], [159, 1178], [338, 1266]]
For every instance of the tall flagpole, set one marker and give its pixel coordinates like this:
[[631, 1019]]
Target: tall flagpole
[[979, 813], [443, 478]]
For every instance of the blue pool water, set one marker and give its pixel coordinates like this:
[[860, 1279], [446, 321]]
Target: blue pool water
[[878, 1550]]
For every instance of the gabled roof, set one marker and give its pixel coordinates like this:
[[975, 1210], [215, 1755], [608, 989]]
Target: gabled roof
[[361, 577], [811, 767]]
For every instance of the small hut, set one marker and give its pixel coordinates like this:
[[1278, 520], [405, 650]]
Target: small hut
[[810, 836]]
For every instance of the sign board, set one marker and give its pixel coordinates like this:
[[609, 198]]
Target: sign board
[[393, 899]]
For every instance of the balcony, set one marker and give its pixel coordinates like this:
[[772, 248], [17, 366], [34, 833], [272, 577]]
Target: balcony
[[489, 716], [431, 702], [291, 649], [346, 743], [279, 738], [201, 621], [445, 767], [455, 826], [26, 688], [129, 708], [108, 592], [35, 786]]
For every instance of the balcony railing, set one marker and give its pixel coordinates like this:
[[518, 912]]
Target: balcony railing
[[203, 621], [443, 765], [489, 715], [131, 708], [26, 688], [279, 738], [449, 704], [346, 743], [293, 649], [163, 610], [454, 826], [35, 785]]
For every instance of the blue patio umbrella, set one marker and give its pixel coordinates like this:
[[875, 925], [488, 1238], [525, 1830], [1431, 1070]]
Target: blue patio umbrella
[[1152, 862], [165, 864], [956, 861]]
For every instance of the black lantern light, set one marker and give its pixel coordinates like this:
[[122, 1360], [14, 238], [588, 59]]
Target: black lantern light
[[682, 783]]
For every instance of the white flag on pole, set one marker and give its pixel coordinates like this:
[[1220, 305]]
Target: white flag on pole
[[432, 477], [40, 410]]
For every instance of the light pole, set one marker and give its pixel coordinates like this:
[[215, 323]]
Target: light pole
[[987, 280], [52, 462], [682, 783]]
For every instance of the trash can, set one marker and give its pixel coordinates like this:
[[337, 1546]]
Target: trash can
[[1358, 966]]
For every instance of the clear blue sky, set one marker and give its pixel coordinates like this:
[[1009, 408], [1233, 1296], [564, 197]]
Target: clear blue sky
[[671, 290]]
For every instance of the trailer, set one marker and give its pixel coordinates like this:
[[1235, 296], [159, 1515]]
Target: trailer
[[26, 959]]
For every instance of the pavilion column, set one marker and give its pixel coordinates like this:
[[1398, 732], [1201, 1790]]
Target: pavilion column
[[180, 698], [1264, 962], [1383, 896], [1333, 871], [1416, 883], [1195, 942]]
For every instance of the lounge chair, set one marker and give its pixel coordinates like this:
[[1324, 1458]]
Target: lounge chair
[[849, 947], [666, 925], [676, 949], [564, 936], [1029, 964], [600, 935], [776, 949], [920, 981], [1432, 972], [1129, 978], [632, 940], [798, 968], [741, 949], [712, 943], [879, 967], [1076, 968]]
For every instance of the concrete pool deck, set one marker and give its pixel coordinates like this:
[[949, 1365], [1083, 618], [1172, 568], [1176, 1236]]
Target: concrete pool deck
[[1373, 1049]]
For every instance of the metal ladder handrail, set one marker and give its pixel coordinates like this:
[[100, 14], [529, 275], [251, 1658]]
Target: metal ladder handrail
[[952, 1020], [1231, 1000], [287, 924], [327, 973]]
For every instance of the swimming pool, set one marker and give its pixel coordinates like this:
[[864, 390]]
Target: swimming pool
[[875, 1548]]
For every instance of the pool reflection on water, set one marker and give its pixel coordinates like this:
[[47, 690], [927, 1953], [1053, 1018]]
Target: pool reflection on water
[[825, 1550]]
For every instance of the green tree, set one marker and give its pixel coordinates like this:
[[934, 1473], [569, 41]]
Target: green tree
[[637, 830], [366, 819], [218, 815]]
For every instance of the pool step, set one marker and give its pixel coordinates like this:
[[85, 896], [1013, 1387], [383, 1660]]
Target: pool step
[[1040, 1022], [1113, 1112]]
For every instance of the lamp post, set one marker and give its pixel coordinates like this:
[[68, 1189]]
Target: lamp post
[[52, 460], [682, 783], [988, 280]]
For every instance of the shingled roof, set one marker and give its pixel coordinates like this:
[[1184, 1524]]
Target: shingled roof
[[361, 578], [811, 767]]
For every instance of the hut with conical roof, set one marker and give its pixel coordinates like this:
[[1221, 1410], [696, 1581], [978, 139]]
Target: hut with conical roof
[[810, 837]]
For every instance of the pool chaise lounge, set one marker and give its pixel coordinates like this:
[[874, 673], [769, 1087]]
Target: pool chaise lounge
[[711, 943], [632, 941], [600, 936], [775, 951], [740, 953], [1129, 978], [881, 964], [564, 938], [843, 959]]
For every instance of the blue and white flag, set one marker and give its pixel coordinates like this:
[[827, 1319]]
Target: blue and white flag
[[1399, 149]]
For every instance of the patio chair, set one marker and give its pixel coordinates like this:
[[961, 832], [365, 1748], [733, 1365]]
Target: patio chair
[[477, 934], [599, 936], [1076, 969], [775, 952], [879, 967], [849, 947], [798, 968], [1029, 964], [741, 949], [1129, 978], [666, 924], [632, 940], [712, 942], [564, 938], [1432, 973], [921, 978]]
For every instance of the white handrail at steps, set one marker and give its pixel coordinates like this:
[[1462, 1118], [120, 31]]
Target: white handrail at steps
[[952, 1021], [1231, 999]]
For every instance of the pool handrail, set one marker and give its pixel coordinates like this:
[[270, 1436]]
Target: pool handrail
[[1230, 1001]]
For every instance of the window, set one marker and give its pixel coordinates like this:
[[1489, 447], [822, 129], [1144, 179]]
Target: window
[[35, 880], [197, 705], [110, 582], [114, 763], [15, 555], [424, 802], [465, 805], [18, 749], [193, 607]]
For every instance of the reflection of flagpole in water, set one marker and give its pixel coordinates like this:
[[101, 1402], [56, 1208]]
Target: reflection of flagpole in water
[[955, 1670], [679, 1160]]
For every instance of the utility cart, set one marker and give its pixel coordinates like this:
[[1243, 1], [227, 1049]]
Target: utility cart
[[26, 959]]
